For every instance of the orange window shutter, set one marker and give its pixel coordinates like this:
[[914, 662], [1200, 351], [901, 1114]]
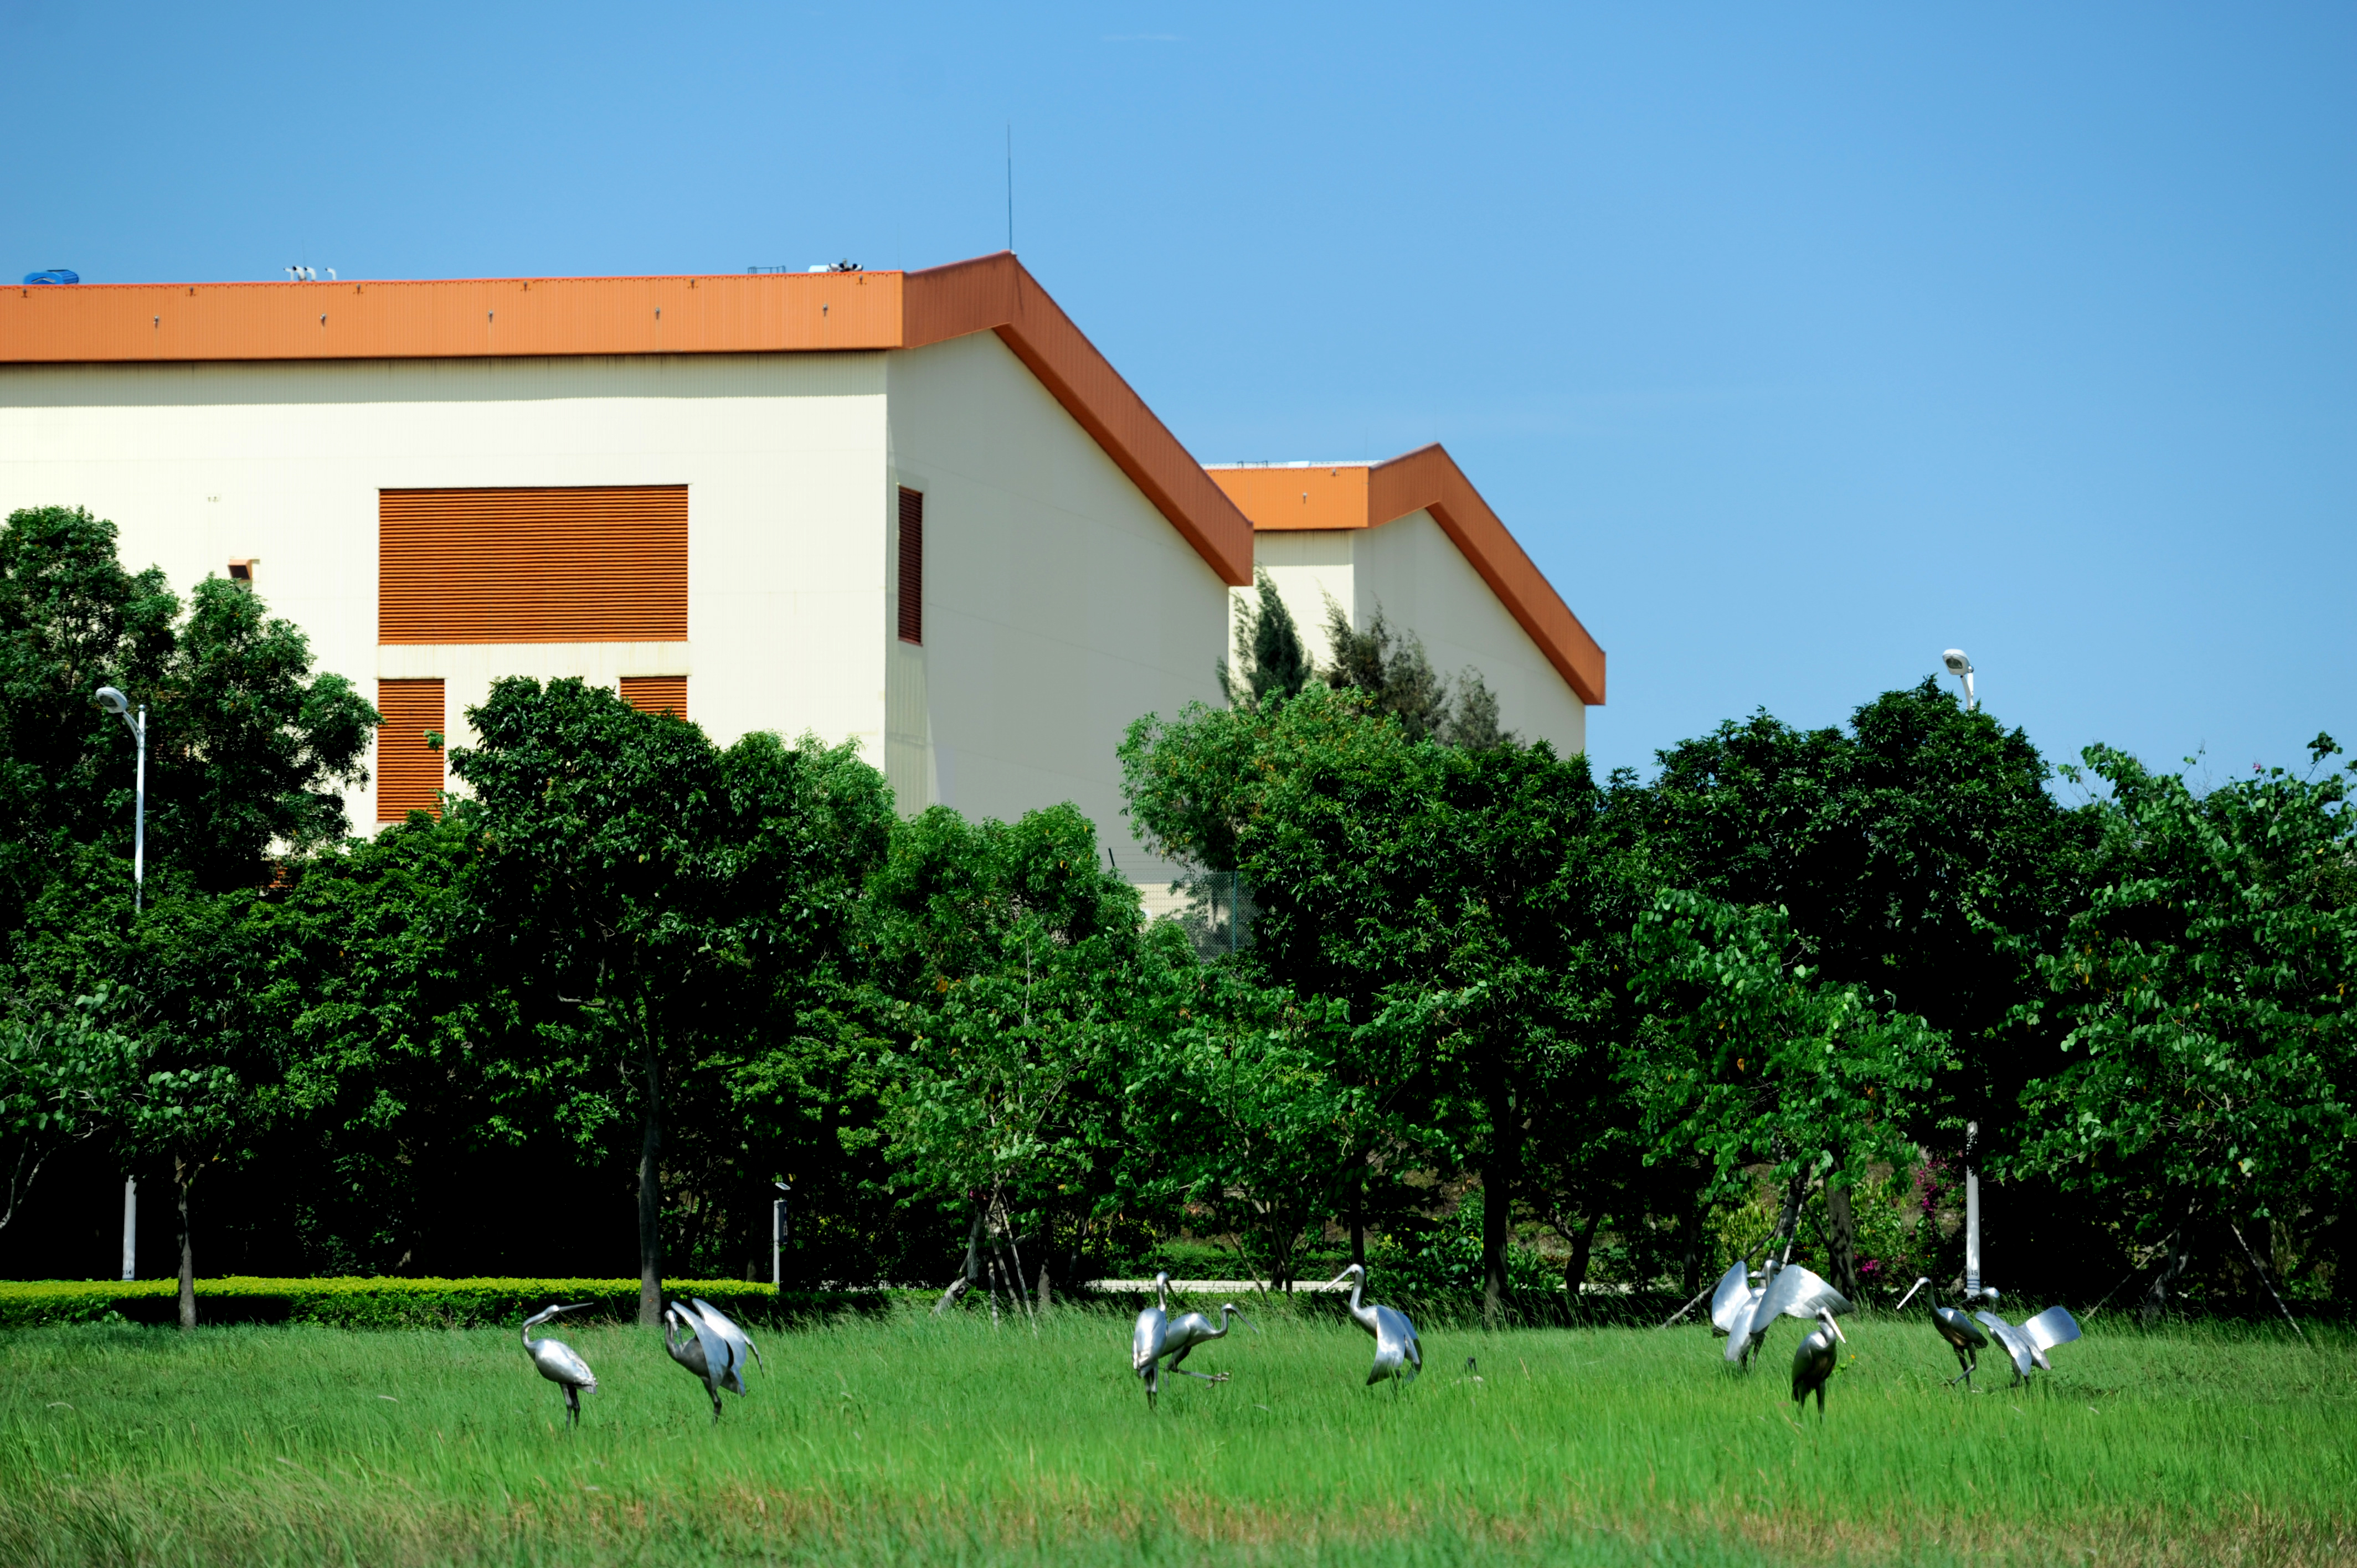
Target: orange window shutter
[[408, 766], [656, 694], [580, 563], [912, 566]]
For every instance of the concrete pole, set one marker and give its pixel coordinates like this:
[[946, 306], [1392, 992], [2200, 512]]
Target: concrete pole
[[1971, 1216], [130, 1228]]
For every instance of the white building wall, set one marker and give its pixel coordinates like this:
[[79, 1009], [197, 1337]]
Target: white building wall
[[1060, 605], [1424, 584], [782, 454]]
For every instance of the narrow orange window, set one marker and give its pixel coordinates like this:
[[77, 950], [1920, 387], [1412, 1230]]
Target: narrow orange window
[[912, 566], [408, 764]]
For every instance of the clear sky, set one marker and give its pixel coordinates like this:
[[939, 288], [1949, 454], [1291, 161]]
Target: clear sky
[[1795, 343]]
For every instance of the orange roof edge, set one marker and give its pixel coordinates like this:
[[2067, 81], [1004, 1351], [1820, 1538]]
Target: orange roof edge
[[995, 294], [1280, 498], [687, 313]]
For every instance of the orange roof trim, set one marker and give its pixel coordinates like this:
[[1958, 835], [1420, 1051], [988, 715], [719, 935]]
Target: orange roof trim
[[1289, 498], [727, 313]]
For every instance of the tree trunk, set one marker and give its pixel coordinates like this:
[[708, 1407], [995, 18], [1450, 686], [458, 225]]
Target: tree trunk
[[1583, 1247], [651, 1205], [2155, 1298], [1788, 1221], [1841, 1242], [184, 1177], [1691, 1274], [1498, 1207], [1047, 1298]]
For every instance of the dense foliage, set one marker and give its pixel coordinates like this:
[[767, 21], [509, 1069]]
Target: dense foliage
[[1502, 1028]]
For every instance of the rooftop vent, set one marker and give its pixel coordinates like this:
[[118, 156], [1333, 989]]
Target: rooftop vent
[[54, 274]]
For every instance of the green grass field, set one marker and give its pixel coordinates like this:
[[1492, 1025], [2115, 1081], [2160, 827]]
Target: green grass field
[[911, 1441]]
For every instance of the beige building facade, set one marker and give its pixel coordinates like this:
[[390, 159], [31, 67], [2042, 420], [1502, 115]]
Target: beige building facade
[[915, 512]]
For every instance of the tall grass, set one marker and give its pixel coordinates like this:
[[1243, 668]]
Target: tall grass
[[917, 1441]]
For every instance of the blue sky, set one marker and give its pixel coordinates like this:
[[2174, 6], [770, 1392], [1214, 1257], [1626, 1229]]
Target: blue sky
[[1795, 343]]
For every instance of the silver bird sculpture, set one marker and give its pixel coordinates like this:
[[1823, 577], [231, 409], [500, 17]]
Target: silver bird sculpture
[[1814, 1361], [1147, 1340], [1792, 1291], [559, 1362], [2028, 1343], [1398, 1353], [1963, 1335], [1733, 1305], [1185, 1333], [714, 1349]]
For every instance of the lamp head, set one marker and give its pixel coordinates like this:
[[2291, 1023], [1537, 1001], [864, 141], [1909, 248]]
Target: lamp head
[[1956, 662], [115, 702]]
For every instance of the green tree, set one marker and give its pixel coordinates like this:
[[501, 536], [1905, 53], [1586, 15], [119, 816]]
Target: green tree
[[1271, 664], [248, 749], [1019, 976], [651, 894], [1916, 855], [64, 1079], [2208, 1080], [1759, 1059], [1458, 906]]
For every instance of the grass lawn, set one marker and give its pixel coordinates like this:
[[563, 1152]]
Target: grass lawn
[[912, 1440]]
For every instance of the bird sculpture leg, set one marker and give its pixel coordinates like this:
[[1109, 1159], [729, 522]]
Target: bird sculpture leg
[[715, 1406], [572, 1405], [1207, 1377]]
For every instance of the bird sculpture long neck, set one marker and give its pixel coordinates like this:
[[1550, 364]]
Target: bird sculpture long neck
[[1363, 1314]]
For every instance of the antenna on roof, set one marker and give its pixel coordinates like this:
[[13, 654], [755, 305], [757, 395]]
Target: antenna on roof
[[1010, 186]]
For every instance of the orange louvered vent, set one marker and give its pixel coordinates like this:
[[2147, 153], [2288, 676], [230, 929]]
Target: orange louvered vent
[[589, 563], [408, 767], [656, 694]]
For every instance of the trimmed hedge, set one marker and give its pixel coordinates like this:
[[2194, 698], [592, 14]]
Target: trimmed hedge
[[371, 1302]]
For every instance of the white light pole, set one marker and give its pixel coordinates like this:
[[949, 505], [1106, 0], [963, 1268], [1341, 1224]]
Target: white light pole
[[118, 705], [1962, 668], [777, 1235]]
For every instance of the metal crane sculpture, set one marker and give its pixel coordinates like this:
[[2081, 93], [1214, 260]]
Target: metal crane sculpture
[[1814, 1361], [1732, 1305], [1792, 1291], [559, 1362], [1963, 1335], [714, 1349], [1147, 1340], [1186, 1333], [2028, 1343], [1396, 1342]]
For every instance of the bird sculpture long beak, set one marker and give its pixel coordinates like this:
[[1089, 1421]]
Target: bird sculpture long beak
[[1903, 1300], [1836, 1328]]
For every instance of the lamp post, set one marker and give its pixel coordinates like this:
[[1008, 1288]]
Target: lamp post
[[777, 1233], [1962, 668], [118, 705]]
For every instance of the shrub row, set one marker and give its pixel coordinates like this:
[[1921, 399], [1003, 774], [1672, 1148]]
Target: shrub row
[[363, 1303]]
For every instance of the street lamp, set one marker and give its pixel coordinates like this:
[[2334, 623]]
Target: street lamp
[[1962, 668], [118, 705]]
